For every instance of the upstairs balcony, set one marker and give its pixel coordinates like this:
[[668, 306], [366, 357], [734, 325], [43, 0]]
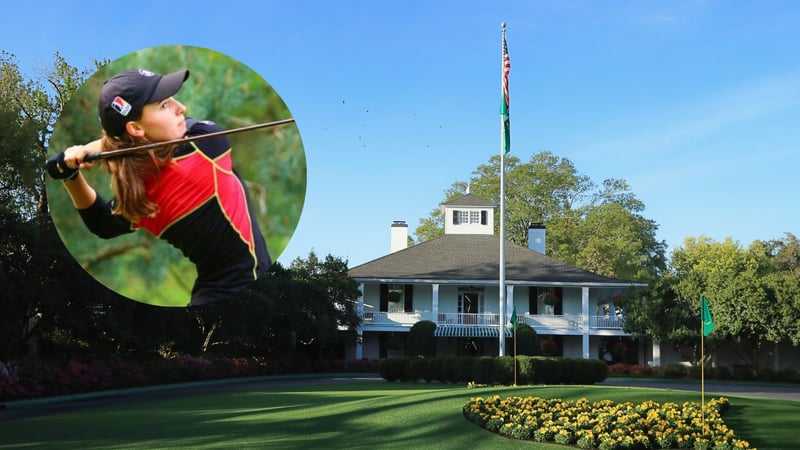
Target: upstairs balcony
[[542, 323]]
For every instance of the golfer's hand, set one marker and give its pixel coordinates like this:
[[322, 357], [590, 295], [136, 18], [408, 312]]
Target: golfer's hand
[[74, 156]]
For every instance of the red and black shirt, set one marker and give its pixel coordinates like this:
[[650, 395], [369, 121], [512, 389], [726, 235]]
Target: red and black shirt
[[204, 211]]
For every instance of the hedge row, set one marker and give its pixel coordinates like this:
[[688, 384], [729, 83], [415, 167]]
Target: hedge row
[[494, 370], [44, 378], [740, 373]]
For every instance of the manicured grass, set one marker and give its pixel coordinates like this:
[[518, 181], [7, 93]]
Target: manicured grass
[[359, 415]]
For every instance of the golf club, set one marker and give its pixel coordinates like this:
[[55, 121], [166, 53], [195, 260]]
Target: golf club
[[140, 148]]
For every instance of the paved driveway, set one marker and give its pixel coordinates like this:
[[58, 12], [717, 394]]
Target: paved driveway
[[780, 391]]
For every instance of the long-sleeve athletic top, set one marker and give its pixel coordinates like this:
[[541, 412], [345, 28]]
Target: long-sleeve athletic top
[[204, 211]]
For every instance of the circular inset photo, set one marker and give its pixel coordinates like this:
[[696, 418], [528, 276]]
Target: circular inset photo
[[189, 185]]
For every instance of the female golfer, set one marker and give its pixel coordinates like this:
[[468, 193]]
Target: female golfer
[[189, 195]]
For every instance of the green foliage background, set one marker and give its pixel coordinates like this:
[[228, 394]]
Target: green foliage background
[[220, 89]]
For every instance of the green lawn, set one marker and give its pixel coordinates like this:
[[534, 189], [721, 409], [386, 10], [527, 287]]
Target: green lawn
[[366, 415]]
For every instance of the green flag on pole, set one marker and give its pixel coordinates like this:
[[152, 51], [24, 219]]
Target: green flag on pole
[[705, 316], [514, 319], [506, 133]]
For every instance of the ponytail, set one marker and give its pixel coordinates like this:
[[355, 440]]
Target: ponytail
[[129, 174]]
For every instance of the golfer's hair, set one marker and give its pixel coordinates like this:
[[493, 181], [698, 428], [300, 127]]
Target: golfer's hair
[[128, 175]]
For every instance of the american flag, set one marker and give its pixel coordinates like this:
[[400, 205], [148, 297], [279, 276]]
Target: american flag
[[506, 70], [506, 131]]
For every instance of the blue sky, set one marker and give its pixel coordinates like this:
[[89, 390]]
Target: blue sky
[[694, 103]]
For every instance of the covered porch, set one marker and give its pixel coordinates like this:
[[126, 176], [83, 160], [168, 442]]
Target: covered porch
[[542, 323]]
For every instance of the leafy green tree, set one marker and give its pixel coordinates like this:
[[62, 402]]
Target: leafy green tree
[[782, 319], [609, 236], [733, 281], [610, 240], [297, 310], [600, 230], [754, 296], [658, 312], [782, 285], [784, 253], [340, 291], [32, 258], [29, 111]]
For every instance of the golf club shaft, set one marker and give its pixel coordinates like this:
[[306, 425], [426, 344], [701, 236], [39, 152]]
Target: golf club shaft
[[140, 148]]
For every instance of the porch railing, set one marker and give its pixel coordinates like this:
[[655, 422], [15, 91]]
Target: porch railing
[[468, 319], [537, 321], [387, 318], [606, 322], [560, 322]]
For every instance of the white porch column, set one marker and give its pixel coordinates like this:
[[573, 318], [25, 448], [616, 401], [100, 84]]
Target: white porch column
[[359, 330], [656, 353], [585, 314], [435, 303]]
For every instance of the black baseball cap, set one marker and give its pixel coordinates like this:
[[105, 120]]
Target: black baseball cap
[[124, 95]]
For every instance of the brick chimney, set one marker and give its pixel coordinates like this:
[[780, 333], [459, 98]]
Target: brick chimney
[[399, 235]]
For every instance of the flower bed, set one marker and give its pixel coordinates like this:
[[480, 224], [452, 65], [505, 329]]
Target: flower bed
[[605, 425]]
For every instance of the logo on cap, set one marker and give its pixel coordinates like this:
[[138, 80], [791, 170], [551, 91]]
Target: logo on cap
[[146, 73], [121, 106]]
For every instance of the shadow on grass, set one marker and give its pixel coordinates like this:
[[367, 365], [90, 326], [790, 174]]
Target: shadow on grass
[[770, 427], [354, 415]]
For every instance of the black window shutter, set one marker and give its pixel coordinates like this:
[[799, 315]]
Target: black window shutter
[[409, 301], [484, 219], [455, 217], [384, 298], [533, 305]]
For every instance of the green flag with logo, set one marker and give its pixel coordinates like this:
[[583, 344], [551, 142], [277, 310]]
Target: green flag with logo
[[514, 319], [705, 316]]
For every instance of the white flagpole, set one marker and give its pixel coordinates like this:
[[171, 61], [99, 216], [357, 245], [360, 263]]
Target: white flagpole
[[502, 256], [502, 331]]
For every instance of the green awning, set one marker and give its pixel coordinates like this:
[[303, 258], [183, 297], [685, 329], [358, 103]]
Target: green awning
[[471, 332]]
